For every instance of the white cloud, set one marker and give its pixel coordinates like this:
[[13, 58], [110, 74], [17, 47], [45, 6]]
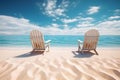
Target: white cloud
[[15, 26], [85, 24], [52, 9], [109, 27], [11, 25], [55, 25], [87, 19], [77, 19], [114, 17], [117, 12], [109, 24], [69, 20], [93, 9]]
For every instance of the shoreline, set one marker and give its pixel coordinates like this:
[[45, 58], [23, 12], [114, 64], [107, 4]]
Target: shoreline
[[57, 46]]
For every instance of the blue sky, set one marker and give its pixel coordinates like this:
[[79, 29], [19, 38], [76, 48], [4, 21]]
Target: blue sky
[[59, 17]]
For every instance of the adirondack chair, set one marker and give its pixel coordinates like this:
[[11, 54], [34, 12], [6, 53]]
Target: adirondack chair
[[90, 41], [37, 41]]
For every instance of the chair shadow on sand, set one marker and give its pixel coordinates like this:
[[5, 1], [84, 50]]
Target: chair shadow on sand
[[30, 54], [78, 54]]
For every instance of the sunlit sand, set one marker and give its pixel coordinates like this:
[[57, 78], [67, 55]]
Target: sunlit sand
[[61, 63]]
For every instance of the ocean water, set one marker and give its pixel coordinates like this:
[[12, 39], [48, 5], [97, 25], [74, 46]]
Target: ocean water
[[57, 40]]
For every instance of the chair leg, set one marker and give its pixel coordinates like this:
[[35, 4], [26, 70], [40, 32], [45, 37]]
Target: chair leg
[[79, 48], [48, 46], [33, 50], [82, 52], [96, 52]]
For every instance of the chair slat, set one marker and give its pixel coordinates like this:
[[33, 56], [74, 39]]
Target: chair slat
[[90, 40], [37, 40]]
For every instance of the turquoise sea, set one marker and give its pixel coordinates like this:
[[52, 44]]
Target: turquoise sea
[[57, 40]]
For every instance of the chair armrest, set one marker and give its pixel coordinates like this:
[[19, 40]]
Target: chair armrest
[[48, 41], [47, 44], [79, 41], [79, 45]]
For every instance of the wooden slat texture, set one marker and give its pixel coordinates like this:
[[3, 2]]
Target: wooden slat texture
[[90, 40], [37, 40]]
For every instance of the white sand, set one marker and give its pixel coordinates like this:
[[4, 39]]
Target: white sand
[[61, 63]]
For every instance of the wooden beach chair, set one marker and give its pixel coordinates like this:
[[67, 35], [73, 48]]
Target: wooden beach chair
[[37, 41], [90, 41]]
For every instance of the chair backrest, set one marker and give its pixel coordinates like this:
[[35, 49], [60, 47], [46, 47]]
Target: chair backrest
[[37, 40], [90, 39]]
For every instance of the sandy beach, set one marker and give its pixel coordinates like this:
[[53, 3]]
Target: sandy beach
[[64, 27], [61, 63]]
